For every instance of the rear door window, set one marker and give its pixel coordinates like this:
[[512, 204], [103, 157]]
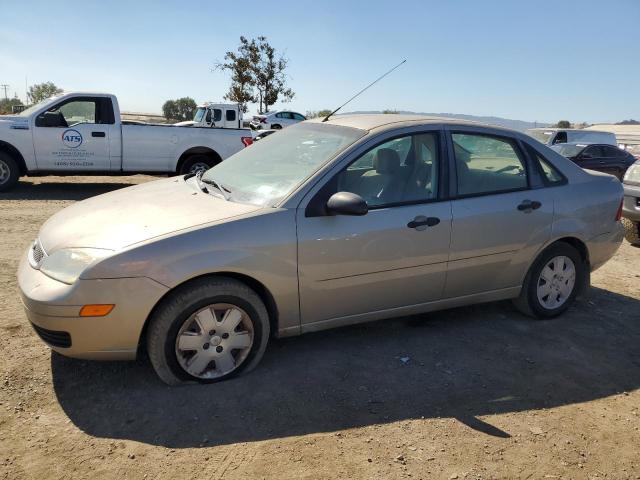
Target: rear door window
[[486, 164]]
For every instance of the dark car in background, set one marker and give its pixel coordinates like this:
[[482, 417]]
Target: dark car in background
[[600, 157]]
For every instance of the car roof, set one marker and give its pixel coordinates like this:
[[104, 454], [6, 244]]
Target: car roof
[[380, 120]]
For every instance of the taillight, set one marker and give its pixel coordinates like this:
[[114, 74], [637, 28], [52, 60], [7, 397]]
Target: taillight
[[246, 141], [619, 214]]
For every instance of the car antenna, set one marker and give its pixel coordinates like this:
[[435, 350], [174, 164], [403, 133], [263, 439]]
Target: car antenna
[[365, 88]]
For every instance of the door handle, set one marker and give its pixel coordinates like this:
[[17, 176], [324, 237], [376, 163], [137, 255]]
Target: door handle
[[421, 222], [528, 205], [98, 134]]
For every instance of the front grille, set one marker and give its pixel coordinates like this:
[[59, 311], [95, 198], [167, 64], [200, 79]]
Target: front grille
[[52, 337], [36, 254]]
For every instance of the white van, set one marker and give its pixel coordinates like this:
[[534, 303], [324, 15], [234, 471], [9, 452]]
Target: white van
[[551, 136]]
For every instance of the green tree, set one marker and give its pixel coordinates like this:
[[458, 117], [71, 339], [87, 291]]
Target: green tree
[[240, 64], [180, 109], [170, 110], [563, 124], [42, 91], [319, 113], [389, 111], [6, 105], [257, 74], [269, 76]]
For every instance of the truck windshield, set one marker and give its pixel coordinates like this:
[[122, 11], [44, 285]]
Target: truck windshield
[[266, 172], [199, 114], [542, 136]]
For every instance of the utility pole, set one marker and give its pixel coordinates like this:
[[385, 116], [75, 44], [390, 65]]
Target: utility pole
[[5, 86]]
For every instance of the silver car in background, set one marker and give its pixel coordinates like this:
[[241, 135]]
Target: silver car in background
[[325, 224]]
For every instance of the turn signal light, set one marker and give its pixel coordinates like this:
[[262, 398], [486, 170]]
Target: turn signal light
[[619, 212], [95, 310]]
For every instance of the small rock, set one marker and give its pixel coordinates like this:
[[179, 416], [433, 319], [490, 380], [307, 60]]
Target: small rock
[[536, 430], [131, 456], [453, 476]]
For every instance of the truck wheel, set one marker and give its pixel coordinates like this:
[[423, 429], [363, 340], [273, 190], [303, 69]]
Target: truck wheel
[[206, 331], [197, 164], [631, 231], [9, 172], [552, 283]]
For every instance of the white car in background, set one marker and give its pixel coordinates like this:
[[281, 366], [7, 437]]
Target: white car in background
[[276, 120]]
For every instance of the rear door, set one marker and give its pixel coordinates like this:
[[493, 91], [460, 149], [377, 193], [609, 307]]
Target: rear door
[[363, 267], [75, 134], [500, 215]]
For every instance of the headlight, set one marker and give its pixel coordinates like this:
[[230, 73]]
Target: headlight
[[67, 265], [633, 174]]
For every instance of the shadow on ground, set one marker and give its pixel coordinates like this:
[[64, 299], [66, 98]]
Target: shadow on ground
[[463, 363], [26, 190]]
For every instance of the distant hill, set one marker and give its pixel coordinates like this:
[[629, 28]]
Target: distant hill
[[501, 122]]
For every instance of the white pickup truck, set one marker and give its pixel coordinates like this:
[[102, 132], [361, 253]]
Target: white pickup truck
[[82, 133]]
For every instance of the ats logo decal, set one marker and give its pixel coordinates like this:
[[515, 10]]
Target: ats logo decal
[[71, 138]]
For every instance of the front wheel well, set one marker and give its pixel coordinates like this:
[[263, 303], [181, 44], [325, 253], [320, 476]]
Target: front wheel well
[[206, 151], [257, 286], [15, 154]]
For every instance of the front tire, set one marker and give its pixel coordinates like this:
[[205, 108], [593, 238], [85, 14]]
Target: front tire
[[9, 172], [206, 331], [552, 283], [197, 164], [276, 127], [631, 231]]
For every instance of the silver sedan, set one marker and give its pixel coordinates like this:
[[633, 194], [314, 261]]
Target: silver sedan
[[326, 224]]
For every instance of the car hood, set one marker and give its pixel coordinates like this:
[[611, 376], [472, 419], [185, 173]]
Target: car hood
[[7, 121], [131, 215]]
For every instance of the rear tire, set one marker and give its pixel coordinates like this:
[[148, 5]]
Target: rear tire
[[196, 164], [170, 322], [631, 231], [548, 291], [9, 172], [276, 127]]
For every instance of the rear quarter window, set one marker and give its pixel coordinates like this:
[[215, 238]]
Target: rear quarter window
[[550, 174]]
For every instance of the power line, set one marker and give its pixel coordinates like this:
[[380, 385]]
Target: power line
[[5, 86]]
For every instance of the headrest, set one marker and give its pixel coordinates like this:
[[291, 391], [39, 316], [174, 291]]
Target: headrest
[[387, 160]]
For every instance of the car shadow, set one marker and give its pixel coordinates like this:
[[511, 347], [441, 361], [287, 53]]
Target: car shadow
[[26, 190], [461, 363]]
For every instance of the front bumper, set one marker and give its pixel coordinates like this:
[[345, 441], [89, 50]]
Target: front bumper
[[631, 203], [53, 309]]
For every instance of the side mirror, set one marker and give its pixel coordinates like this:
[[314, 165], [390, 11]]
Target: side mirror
[[347, 203], [50, 119]]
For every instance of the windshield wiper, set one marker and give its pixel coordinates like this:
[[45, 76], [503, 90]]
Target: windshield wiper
[[223, 190]]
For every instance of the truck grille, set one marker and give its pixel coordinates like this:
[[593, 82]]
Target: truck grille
[[52, 337], [36, 254]]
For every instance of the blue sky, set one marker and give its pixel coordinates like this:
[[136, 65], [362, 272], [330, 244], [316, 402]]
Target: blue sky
[[528, 60]]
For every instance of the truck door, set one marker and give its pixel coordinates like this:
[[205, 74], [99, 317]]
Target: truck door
[[75, 134], [230, 118]]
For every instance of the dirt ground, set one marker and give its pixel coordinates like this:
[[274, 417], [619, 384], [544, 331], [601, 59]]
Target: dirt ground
[[470, 393]]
